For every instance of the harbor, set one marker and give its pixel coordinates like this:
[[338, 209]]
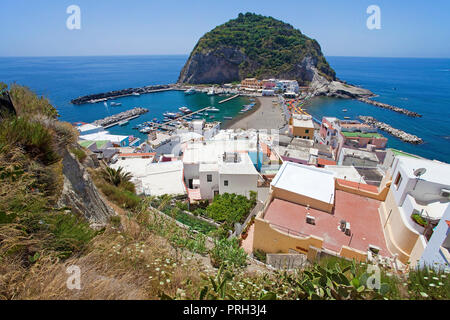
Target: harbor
[[402, 135]]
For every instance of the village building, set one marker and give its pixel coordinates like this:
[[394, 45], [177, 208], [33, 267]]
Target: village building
[[417, 209]]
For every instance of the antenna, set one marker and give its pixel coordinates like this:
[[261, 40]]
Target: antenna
[[420, 172]]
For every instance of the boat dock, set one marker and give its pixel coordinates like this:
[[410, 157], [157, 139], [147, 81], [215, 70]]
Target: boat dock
[[100, 97], [116, 123], [166, 125], [114, 120], [230, 98]]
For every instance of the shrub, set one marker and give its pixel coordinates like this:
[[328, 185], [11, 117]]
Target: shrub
[[122, 197], [419, 220], [30, 136], [260, 255], [228, 252], [230, 208]]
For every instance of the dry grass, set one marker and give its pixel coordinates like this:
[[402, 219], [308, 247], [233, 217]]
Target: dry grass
[[119, 264]]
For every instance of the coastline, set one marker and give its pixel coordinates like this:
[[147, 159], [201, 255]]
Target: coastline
[[263, 116]]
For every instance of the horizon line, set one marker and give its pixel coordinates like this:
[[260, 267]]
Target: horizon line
[[187, 54]]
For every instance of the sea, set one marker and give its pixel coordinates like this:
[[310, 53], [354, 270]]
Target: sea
[[420, 85]]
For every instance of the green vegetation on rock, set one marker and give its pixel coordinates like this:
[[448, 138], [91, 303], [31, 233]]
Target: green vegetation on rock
[[262, 47]]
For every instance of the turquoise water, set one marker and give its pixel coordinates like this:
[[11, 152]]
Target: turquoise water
[[421, 85]]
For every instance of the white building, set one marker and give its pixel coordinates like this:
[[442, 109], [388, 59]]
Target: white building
[[89, 128], [220, 166], [419, 193], [154, 179], [116, 140], [288, 86]]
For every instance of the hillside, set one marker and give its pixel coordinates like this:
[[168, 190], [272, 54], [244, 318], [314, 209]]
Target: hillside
[[59, 209], [254, 46]]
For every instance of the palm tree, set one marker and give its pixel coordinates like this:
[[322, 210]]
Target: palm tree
[[116, 176]]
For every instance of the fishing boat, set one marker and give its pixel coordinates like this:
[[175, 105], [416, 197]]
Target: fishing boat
[[170, 115], [185, 110], [145, 130], [211, 109], [190, 91]]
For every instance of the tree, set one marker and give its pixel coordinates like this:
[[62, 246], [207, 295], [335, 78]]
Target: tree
[[116, 177]]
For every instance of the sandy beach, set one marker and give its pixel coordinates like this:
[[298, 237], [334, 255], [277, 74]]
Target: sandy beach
[[266, 116]]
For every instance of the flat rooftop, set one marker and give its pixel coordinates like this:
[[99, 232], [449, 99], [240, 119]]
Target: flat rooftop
[[303, 123], [436, 171], [360, 212], [309, 181], [154, 178], [349, 134]]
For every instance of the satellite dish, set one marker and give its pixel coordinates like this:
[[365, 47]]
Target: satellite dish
[[420, 172]]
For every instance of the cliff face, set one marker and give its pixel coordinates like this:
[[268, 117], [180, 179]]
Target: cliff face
[[255, 46], [80, 194]]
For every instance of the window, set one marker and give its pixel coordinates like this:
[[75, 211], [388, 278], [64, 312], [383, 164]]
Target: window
[[307, 131], [225, 183], [209, 177], [398, 180]]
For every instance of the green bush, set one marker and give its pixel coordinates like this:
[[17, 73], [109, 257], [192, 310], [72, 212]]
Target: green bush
[[419, 220], [229, 253], [230, 208], [120, 196], [260, 255]]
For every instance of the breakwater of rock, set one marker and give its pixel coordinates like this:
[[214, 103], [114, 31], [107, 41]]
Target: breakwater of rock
[[120, 117], [98, 97], [389, 107], [402, 135]]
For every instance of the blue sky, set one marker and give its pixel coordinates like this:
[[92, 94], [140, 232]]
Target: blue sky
[[134, 27]]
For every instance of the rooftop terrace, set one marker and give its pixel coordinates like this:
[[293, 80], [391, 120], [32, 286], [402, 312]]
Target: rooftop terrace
[[360, 212], [361, 134]]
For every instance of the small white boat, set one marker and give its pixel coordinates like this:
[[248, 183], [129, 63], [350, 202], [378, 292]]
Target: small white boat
[[190, 91], [136, 94], [185, 110], [123, 123], [211, 109], [145, 130], [211, 92], [116, 104], [228, 118], [344, 110]]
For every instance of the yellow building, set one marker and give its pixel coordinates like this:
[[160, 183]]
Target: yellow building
[[251, 83], [306, 213], [302, 126]]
